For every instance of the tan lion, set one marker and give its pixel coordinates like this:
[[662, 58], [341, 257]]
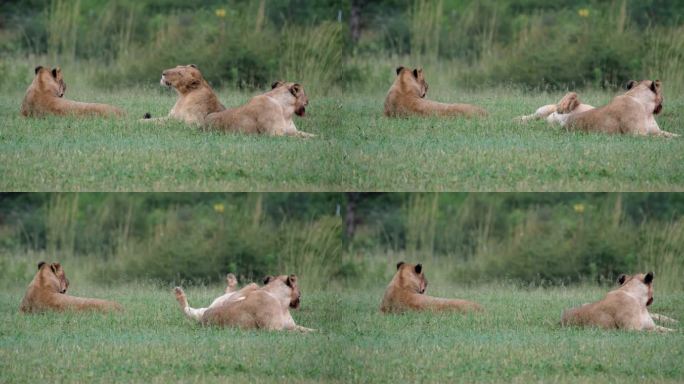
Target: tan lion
[[406, 292], [47, 292], [622, 308], [230, 295], [45, 96], [196, 98], [630, 113], [406, 98], [269, 113], [570, 103], [252, 307]]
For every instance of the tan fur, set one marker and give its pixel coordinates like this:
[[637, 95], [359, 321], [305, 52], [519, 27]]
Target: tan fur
[[406, 292], [47, 292], [270, 113], [631, 113], [255, 307], [406, 97], [196, 99], [622, 308], [45, 96], [554, 113]]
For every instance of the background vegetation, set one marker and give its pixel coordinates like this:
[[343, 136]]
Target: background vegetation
[[333, 44], [342, 239]]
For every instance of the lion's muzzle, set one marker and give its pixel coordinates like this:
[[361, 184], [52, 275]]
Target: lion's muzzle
[[649, 302], [301, 111]]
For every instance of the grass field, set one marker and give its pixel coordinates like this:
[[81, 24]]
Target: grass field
[[517, 340], [356, 149]]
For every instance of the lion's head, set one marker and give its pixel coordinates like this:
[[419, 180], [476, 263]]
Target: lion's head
[[297, 90], [653, 88], [291, 282], [413, 81], [184, 78], [411, 277], [52, 277], [51, 81], [639, 284]]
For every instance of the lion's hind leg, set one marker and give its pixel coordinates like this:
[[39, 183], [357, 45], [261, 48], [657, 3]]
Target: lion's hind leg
[[568, 103], [192, 313], [663, 319], [541, 113]]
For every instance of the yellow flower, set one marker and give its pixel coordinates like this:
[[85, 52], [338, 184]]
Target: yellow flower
[[583, 12], [219, 208], [579, 208], [221, 12]]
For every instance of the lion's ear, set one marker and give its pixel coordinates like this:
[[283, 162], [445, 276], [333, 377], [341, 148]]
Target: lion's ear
[[630, 84], [55, 267], [621, 279], [40, 264], [415, 73], [418, 268], [648, 279], [291, 281], [276, 84], [295, 89], [399, 264], [399, 69], [38, 68], [268, 279], [54, 72], [655, 84], [193, 65]]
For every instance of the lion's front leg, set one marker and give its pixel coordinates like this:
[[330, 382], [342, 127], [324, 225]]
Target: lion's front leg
[[663, 319], [192, 313]]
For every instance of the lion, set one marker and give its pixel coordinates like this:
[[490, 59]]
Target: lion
[[406, 292], [230, 295], [45, 96], [630, 113], [269, 113], [47, 292], [196, 98], [254, 307], [406, 98], [570, 103], [622, 308]]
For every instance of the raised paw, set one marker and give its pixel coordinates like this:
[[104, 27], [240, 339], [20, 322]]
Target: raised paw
[[568, 103]]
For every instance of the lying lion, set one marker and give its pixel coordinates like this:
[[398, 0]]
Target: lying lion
[[406, 98], [251, 307], [622, 308], [196, 99], [47, 292], [630, 113], [406, 292], [45, 96], [270, 113]]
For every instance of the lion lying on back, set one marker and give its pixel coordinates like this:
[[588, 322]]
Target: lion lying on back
[[269, 113], [47, 292], [406, 98], [406, 292], [622, 308], [631, 113], [45, 97], [251, 307]]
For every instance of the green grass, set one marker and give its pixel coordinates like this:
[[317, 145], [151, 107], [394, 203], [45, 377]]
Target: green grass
[[517, 340], [356, 149]]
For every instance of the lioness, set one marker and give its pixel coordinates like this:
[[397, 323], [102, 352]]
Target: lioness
[[630, 113], [47, 292], [45, 96], [254, 307], [570, 103], [406, 97], [196, 99], [269, 113], [622, 308], [406, 292], [230, 294]]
